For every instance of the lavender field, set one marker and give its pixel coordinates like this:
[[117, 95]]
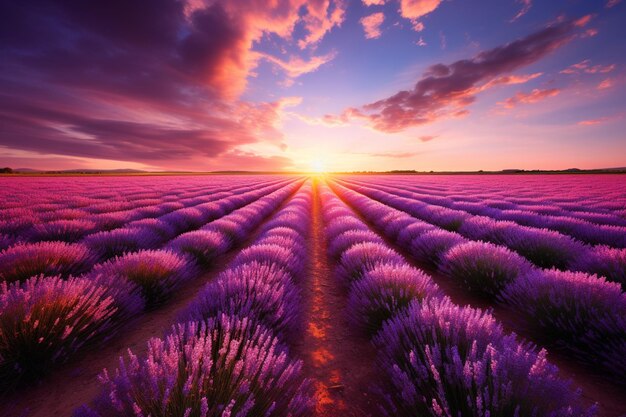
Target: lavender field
[[288, 295]]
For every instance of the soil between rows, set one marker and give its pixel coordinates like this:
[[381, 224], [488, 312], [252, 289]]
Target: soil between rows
[[339, 360]]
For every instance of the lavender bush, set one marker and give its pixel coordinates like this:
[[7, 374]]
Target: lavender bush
[[580, 313], [347, 239], [25, 260], [202, 245], [545, 248], [61, 230], [445, 360], [156, 273], [607, 262], [272, 254], [206, 370], [483, 268], [117, 242], [384, 290], [430, 247], [262, 292], [363, 257], [46, 319]]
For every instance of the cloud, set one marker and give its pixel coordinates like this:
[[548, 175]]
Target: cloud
[[373, 2], [612, 3], [446, 90], [371, 25], [295, 66], [428, 138], [322, 16], [586, 67], [593, 122], [416, 9], [526, 5], [534, 96], [147, 80], [605, 84], [421, 42]]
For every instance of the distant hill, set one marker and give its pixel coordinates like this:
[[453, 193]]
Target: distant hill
[[79, 171]]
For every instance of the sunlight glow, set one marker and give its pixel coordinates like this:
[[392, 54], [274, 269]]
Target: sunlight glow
[[318, 166]]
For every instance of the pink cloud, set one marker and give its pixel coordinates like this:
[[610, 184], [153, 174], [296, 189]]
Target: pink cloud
[[447, 90], [534, 96], [612, 3], [416, 9], [526, 5], [295, 66], [605, 84], [321, 17], [586, 67], [371, 25], [373, 2], [593, 122], [427, 138]]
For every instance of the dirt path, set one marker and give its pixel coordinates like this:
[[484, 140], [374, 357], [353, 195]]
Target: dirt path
[[340, 362], [595, 388], [75, 383]]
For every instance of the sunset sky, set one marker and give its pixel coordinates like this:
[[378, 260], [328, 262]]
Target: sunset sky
[[323, 84]]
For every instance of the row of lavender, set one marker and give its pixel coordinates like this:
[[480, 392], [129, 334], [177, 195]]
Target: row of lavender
[[24, 260], [71, 224], [229, 353], [537, 209], [595, 228], [544, 247], [602, 196], [436, 358], [46, 319], [582, 314]]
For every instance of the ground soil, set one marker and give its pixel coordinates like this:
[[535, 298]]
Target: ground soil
[[339, 360]]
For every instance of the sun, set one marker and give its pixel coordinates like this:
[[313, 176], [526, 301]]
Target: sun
[[318, 166]]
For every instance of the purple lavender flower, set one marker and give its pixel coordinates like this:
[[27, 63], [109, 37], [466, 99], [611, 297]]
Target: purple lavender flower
[[157, 226], [202, 245], [229, 228], [206, 370], [272, 254], [607, 262], [580, 313], [383, 291], [345, 240], [117, 242], [342, 224], [6, 241], [483, 268], [62, 230], [25, 260], [412, 231], [263, 292], [545, 248], [46, 319], [430, 247], [157, 273], [445, 360], [363, 257]]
